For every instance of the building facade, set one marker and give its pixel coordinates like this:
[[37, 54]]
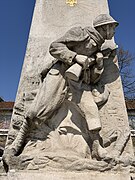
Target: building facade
[[6, 109], [130, 104]]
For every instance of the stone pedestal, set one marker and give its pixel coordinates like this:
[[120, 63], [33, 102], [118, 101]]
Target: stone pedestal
[[65, 176]]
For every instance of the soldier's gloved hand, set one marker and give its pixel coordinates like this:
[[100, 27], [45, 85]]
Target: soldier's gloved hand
[[99, 60], [82, 60]]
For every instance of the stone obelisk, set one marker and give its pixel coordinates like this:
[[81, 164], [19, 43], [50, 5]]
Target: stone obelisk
[[52, 19]]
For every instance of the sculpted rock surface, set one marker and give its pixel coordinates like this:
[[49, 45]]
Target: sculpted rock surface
[[69, 113]]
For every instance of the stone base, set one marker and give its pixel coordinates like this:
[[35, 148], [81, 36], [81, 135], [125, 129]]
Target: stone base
[[65, 176]]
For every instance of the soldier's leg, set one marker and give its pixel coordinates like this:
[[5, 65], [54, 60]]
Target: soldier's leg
[[48, 99], [91, 112], [50, 95], [83, 98]]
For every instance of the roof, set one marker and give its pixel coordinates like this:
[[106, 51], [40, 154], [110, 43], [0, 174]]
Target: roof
[[6, 105], [130, 104]]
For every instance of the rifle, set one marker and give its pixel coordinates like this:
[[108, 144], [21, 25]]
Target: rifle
[[75, 70]]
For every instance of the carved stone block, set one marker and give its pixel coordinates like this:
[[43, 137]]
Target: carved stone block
[[61, 143]]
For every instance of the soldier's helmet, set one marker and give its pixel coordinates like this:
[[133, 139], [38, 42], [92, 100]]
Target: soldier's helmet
[[103, 19]]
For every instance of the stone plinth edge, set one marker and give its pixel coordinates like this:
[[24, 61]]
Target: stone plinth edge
[[65, 176]]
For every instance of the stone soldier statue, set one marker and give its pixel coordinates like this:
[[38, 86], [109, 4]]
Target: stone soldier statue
[[78, 67]]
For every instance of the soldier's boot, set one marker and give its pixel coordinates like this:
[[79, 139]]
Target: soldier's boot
[[18, 142], [98, 152], [21, 136]]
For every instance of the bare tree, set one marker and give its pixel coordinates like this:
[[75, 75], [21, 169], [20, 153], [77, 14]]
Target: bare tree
[[125, 59]]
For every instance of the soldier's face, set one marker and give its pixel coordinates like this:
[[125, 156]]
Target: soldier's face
[[107, 31], [110, 31]]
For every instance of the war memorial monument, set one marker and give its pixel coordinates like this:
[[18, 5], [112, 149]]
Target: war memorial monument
[[69, 120]]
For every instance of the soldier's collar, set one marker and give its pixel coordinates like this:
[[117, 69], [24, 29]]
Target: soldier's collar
[[95, 35]]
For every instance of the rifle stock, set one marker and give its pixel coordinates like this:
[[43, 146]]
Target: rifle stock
[[74, 72]]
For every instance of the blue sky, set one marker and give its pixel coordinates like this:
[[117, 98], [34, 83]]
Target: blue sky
[[124, 12], [15, 20]]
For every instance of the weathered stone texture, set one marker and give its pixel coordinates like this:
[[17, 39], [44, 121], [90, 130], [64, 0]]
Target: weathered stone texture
[[65, 176], [51, 20]]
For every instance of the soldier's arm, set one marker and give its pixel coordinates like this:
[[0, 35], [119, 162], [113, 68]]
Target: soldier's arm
[[62, 48], [61, 52]]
